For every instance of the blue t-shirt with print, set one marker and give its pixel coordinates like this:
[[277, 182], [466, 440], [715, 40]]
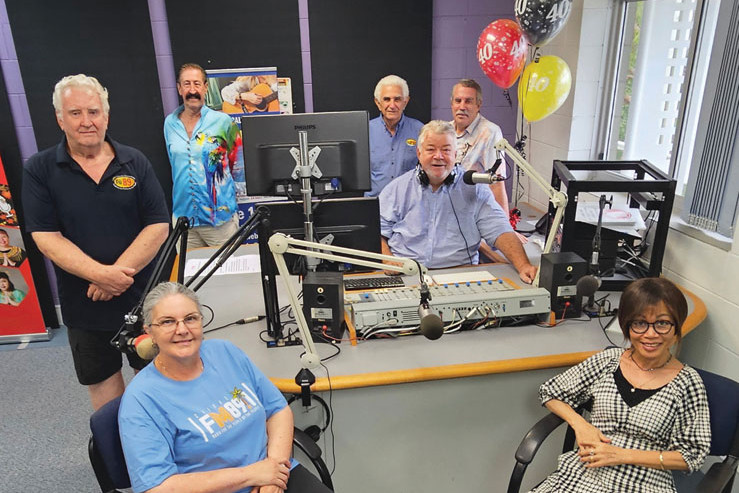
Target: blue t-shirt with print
[[215, 421]]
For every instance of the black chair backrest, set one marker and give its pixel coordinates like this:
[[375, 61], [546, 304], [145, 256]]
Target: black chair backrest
[[723, 402], [107, 443]]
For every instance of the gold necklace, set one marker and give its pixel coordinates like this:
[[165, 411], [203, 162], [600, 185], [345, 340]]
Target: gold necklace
[[631, 357]]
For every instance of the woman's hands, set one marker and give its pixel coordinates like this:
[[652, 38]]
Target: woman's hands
[[603, 454], [595, 448], [269, 472], [588, 436]]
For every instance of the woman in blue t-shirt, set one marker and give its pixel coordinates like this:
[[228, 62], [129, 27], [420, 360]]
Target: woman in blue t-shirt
[[202, 417]]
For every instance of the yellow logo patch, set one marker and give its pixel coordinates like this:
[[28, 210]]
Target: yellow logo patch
[[124, 182], [411, 142]]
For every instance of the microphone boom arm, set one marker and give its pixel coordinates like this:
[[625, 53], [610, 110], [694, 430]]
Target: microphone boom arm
[[556, 197]]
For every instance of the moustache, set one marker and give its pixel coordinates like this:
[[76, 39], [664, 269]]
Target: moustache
[[193, 96]]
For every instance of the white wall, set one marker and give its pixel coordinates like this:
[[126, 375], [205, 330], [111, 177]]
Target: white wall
[[708, 271]]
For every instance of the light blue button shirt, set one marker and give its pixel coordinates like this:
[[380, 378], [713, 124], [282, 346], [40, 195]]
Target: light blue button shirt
[[391, 155], [442, 228]]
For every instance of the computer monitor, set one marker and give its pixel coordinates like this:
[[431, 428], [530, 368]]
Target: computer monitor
[[351, 222], [343, 138], [346, 222]]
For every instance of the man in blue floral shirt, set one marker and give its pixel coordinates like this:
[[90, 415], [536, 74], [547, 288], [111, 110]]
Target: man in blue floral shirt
[[204, 148]]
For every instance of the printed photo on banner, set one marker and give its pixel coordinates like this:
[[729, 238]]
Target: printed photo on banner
[[243, 92], [11, 254], [13, 287], [7, 210], [285, 91]]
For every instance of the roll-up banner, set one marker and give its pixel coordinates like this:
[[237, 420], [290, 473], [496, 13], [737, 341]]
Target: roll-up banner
[[20, 313]]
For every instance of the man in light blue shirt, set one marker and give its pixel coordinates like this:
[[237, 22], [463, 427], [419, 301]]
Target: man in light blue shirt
[[204, 149], [429, 214], [392, 134]]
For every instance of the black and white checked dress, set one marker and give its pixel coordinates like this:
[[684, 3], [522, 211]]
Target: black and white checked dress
[[674, 418]]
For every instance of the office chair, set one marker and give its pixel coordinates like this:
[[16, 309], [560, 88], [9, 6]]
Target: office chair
[[723, 403], [109, 464]]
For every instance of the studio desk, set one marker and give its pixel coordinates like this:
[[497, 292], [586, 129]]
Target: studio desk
[[414, 415]]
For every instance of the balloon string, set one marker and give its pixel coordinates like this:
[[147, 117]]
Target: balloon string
[[507, 97]]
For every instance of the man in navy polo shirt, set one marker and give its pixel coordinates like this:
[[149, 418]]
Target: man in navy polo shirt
[[95, 208]]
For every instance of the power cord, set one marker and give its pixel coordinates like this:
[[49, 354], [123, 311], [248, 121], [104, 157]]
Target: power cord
[[241, 321]]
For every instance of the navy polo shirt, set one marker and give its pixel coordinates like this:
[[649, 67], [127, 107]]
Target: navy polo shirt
[[102, 219]]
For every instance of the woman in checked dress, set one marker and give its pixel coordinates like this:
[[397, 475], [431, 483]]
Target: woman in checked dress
[[650, 412]]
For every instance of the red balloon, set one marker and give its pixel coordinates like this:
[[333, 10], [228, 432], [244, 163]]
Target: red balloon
[[501, 52]]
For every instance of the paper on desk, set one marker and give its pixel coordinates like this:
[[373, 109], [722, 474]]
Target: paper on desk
[[471, 276], [241, 264], [625, 220]]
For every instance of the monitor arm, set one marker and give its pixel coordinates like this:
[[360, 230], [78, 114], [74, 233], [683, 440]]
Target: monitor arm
[[556, 197]]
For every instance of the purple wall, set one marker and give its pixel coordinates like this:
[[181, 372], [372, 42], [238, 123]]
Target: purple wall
[[16, 92], [457, 26]]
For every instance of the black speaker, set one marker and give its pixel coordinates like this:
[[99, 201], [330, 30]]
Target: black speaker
[[559, 275], [323, 303]]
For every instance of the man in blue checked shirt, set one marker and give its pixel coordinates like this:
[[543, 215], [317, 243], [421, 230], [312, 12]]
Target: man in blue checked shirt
[[392, 134], [429, 214]]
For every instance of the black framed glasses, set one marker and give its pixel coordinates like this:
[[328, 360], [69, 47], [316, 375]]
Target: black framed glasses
[[660, 326], [169, 324]]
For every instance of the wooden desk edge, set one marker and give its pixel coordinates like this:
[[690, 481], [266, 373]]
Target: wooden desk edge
[[695, 317], [436, 372]]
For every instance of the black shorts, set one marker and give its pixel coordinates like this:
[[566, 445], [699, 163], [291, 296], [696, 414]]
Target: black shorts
[[95, 360]]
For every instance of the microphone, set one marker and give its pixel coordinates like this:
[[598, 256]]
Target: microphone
[[587, 286], [470, 177], [431, 325], [141, 344]]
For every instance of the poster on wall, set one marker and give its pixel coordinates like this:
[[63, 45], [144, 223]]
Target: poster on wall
[[243, 92], [248, 92], [20, 312]]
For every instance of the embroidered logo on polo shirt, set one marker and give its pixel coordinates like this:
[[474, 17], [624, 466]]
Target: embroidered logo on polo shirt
[[411, 142], [124, 182]]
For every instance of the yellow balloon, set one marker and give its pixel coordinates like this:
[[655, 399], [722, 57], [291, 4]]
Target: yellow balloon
[[543, 87]]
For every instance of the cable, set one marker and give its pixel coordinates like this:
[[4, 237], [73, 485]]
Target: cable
[[467, 246], [331, 425], [327, 411], [338, 350], [212, 316], [240, 321], [605, 332]]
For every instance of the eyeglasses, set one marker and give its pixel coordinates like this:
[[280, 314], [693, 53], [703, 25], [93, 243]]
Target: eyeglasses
[[170, 324], [660, 326]]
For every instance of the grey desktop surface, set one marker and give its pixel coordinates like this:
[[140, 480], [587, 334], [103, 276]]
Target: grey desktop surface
[[240, 295]]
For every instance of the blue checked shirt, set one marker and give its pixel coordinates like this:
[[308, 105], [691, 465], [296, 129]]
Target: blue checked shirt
[[425, 225], [391, 155]]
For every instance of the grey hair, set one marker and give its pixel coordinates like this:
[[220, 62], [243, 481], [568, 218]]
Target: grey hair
[[83, 81], [163, 290], [472, 84], [392, 80], [439, 127]]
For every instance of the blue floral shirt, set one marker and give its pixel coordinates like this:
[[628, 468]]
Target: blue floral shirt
[[207, 167]]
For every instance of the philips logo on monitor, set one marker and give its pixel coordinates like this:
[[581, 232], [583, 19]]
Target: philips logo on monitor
[[305, 127]]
